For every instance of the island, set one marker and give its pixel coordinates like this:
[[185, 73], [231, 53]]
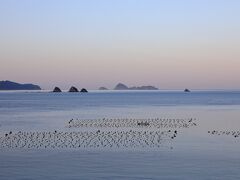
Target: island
[[121, 86], [83, 90], [144, 88], [102, 88], [9, 85], [187, 90], [57, 89], [73, 89]]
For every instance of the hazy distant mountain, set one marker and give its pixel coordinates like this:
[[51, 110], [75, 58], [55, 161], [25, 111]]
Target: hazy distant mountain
[[8, 85], [144, 88], [121, 86], [103, 88]]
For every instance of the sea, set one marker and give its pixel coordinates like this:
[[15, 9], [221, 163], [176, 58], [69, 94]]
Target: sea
[[205, 146]]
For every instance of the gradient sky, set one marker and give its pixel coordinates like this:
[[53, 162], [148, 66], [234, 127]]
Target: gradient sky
[[171, 44]]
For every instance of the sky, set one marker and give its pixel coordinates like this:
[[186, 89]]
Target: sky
[[171, 44]]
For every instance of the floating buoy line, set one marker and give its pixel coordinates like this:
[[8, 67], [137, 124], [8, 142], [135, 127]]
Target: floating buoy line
[[100, 133]]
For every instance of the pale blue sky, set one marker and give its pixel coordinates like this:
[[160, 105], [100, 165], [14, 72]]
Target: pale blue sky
[[171, 44]]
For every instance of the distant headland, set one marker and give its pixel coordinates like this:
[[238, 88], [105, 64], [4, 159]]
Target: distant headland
[[121, 86], [9, 85]]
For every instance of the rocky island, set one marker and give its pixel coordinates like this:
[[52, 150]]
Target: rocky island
[[57, 89], [9, 85], [121, 86], [83, 90], [187, 90], [73, 89]]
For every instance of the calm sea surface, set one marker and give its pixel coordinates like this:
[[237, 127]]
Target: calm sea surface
[[196, 153]]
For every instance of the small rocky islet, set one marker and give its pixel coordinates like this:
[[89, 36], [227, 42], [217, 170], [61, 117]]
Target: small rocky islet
[[57, 89], [187, 90], [72, 89], [83, 90]]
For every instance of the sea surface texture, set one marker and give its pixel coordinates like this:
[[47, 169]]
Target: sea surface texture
[[120, 135]]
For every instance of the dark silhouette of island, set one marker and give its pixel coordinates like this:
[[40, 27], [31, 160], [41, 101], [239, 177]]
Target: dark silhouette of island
[[187, 90], [9, 85], [73, 89], [83, 90], [121, 86], [57, 89], [103, 88]]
